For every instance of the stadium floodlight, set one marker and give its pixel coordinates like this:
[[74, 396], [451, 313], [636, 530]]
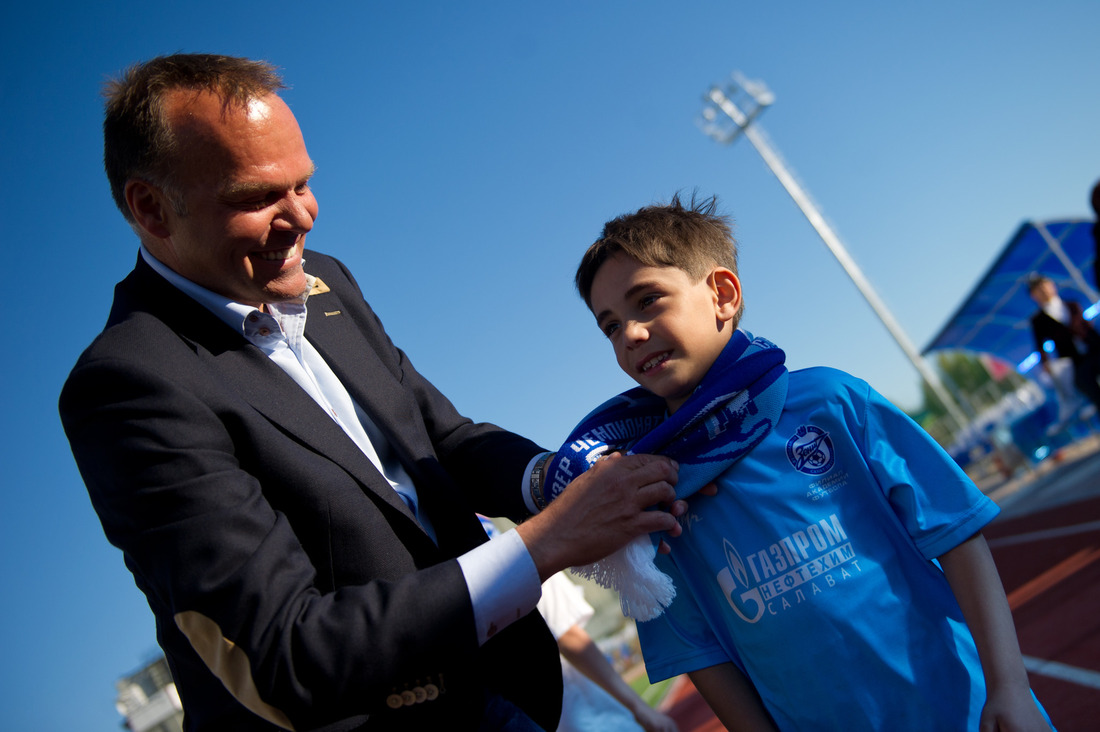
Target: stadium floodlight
[[730, 112]]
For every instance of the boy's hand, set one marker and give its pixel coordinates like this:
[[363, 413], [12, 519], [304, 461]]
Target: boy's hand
[[1011, 711], [602, 510]]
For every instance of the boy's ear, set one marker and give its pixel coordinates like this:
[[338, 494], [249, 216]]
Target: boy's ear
[[727, 293]]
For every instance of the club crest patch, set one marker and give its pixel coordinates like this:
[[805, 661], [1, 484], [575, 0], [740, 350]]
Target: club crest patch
[[810, 450]]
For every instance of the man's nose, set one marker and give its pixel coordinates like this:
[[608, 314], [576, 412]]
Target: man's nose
[[299, 210]]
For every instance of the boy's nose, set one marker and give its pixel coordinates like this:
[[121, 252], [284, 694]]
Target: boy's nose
[[635, 332]]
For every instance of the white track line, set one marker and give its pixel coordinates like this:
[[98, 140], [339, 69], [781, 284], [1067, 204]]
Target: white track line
[[1063, 672], [1045, 534]]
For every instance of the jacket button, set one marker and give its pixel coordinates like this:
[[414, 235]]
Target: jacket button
[[431, 691], [393, 701], [408, 698]]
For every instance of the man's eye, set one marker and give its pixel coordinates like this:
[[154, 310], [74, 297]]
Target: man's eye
[[255, 204]]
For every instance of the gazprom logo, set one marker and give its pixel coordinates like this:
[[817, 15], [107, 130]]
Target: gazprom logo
[[810, 450], [745, 599]]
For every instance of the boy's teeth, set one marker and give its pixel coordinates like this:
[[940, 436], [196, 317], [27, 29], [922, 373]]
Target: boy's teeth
[[654, 361]]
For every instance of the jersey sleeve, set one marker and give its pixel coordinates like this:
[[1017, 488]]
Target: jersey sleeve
[[939, 506], [679, 640]]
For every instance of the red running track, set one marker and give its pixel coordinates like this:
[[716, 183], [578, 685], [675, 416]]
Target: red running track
[[1050, 566]]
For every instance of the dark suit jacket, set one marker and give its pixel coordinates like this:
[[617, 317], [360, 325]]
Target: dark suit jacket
[[1045, 328], [278, 562]]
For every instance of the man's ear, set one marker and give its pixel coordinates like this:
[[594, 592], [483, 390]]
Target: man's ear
[[149, 207], [727, 293]]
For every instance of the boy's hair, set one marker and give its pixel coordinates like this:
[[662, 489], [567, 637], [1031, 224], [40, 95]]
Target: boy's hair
[[137, 141], [695, 239]]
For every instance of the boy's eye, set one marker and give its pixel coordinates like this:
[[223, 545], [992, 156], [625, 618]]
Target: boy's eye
[[647, 301], [609, 329]]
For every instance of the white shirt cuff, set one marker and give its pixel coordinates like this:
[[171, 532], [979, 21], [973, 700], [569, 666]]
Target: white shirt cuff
[[503, 583]]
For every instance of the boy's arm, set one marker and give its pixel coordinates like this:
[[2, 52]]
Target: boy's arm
[[733, 698], [973, 577]]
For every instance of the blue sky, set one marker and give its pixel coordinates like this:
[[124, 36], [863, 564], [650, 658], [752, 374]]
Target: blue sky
[[467, 153]]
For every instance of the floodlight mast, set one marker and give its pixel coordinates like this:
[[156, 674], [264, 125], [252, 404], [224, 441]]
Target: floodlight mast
[[757, 98]]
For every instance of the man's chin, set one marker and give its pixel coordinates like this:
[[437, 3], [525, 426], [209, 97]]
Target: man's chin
[[292, 288]]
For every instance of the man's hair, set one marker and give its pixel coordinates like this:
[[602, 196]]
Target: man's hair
[[1036, 280], [693, 238], [137, 140]]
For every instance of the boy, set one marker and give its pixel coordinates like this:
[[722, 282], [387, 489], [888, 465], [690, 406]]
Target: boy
[[838, 579]]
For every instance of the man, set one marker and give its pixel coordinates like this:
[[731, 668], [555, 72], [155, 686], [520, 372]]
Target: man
[[296, 502], [1063, 323]]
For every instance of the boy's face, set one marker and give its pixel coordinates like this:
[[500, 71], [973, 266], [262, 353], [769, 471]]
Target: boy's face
[[666, 329]]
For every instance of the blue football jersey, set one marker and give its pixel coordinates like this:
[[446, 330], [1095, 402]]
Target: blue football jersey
[[813, 569]]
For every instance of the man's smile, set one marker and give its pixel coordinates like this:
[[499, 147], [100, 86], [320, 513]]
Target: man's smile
[[276, 255]]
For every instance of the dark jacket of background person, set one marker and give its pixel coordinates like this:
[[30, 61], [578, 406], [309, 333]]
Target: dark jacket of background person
[[1046, 328]]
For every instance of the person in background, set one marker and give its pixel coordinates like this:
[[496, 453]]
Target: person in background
[[1094, 200], [1063, 323], [594, 698]]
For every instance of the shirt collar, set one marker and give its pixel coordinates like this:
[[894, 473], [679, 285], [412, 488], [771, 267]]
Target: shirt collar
[[230, 312], [1056, 309]]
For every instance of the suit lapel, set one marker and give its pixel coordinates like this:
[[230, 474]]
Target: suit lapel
[[371, 382], [254, 377]]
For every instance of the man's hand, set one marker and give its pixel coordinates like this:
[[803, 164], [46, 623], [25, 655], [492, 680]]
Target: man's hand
[[678, 509], [602, 510]]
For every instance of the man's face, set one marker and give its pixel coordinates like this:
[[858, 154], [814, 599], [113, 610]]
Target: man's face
[[666, 329], [1044, 292], [243, 177]]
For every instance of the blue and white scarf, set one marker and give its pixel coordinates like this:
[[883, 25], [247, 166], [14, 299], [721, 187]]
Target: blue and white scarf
[[733, 408]]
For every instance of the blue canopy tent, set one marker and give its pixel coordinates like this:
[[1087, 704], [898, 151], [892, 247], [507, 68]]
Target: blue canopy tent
[[994, 320]]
